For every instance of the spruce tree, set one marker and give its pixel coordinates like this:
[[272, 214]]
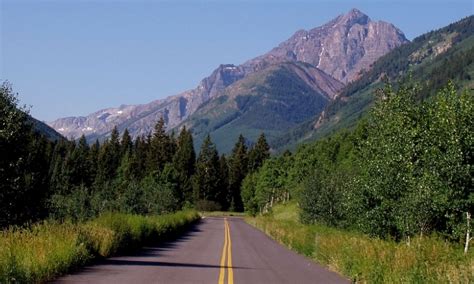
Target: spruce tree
[[126, 143], [80, 167], [238, 168], [224, 182], [160, 151], [184, 162], [109, 159], [259, 153], [93, 160], [206, 178]]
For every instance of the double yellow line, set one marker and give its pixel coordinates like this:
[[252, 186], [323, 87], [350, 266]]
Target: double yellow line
[[226, 250]]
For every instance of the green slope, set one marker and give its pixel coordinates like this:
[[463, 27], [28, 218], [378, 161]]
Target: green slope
[[271, 101], [433, 59]]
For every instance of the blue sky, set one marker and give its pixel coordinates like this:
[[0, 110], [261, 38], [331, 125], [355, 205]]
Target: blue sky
[[68, 58]]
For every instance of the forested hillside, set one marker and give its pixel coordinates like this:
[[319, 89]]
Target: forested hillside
[[430, 59]]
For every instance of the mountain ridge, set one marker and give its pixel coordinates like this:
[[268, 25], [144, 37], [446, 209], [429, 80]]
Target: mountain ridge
[[354, 35]]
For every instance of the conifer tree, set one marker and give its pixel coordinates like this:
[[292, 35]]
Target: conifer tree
[[160, 148], [93, 160], [109, 159], [206, 178], [259, 153], [184, 162], [79, 163], [126, 143], [238, 168], [224, 182]]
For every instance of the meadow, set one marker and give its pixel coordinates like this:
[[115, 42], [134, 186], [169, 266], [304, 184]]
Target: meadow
[[45, 250]]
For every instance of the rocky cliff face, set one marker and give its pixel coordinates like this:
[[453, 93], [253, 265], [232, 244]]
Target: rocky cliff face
[[341, 48]]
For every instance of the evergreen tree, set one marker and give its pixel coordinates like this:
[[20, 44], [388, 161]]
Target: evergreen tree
[[259, 153], [161, 148], [206, 178], [93, 160], [80, 164], [126, 143], [238, 168], [224, 182], [184, 162], [139, 158], [109, 159]]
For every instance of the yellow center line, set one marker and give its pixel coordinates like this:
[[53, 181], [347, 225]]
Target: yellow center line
[[230, 276], [226, 251]]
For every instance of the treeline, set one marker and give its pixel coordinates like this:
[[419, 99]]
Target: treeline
[[405, 170], [153, 174]]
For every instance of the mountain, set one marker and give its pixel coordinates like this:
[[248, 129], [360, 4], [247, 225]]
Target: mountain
[[342, 49], [45, 130], [272, 101], [431, 60]]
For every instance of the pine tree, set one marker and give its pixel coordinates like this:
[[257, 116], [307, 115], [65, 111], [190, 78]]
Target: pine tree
[[93, 160], [224, 182], [259, 153], [238, 168], [80, 167], [109, 159], [160, 148], [184, 162], [206, 178], [126, 143]]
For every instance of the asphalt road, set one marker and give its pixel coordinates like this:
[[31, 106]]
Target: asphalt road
[[216, 250]]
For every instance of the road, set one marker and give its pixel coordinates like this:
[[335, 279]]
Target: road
[[216, 250]]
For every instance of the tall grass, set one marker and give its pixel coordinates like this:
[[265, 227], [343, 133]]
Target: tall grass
[[48, 249], [368, 260]]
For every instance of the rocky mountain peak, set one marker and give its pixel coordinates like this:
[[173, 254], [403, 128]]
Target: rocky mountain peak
[[341, 48]]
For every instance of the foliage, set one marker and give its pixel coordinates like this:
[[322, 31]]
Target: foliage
[[406, 170], [23, 164]]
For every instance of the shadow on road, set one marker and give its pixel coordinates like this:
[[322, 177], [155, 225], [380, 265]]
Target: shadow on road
[[163, 263]]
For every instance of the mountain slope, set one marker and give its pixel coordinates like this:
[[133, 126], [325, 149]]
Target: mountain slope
[[431, 59], [341, 48], [272, 101], [45, 130]]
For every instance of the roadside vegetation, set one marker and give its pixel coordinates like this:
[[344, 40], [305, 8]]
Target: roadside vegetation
[[50, 248], [64, 203], [390, 201], [364, 259]]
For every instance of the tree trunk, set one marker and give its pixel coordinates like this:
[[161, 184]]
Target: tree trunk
[[468, 232]]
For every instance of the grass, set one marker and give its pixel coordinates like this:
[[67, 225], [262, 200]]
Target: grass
[[368, 260], [49, 249]]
